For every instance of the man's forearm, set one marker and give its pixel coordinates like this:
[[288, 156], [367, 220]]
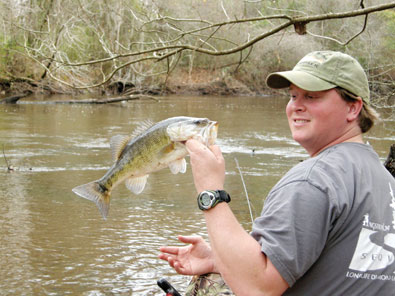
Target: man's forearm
[[238, 256]]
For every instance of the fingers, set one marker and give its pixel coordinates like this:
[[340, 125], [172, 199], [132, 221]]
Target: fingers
[[164, 256], [199, 153], [217, 152], [194, 146], [169, 253], [189, 239], [184, 239], [179, 269], [174, 263], [169, 250], [170, 259], [167, 257]]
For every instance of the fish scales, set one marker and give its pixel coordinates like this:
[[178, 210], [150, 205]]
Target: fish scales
[[141, 151]]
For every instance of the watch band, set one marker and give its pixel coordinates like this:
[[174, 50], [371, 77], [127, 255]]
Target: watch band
[[223, 196], [210, 198]]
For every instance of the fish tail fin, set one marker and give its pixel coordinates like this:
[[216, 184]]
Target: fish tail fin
[[94, 192]]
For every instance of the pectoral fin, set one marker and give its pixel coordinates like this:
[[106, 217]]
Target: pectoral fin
[[136, 184], [178, 166]]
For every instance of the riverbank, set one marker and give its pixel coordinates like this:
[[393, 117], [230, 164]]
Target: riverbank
[[200, 82]]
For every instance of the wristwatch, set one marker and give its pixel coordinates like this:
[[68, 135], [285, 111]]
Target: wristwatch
[[210, 198]]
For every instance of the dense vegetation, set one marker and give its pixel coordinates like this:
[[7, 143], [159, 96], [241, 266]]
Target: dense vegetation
[[99, 45]]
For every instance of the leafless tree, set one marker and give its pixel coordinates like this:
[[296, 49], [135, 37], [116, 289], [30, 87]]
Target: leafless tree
[[86, 44]]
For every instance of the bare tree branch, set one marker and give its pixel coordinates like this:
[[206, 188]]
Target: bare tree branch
[[156, 43], [291, 21], [349, 40]]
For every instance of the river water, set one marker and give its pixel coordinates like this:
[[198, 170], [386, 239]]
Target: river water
[[53, 242]]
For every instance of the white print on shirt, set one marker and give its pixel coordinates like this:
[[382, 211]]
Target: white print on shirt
[[392, 205], [375, 248]]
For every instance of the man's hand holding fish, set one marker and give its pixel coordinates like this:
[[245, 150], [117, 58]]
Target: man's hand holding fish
[[208, 166]]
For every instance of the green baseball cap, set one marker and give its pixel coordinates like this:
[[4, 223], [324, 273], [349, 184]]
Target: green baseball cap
[[323, 70]]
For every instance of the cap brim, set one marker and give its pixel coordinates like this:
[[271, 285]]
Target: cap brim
[[301, 79]]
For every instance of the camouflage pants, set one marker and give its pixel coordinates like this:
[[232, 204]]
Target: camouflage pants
[[210, 284]]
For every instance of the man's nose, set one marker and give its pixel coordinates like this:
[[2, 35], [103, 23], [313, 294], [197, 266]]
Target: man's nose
[[298, 104]]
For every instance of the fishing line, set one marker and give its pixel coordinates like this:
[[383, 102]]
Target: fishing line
[[9, 166], [245, 189]]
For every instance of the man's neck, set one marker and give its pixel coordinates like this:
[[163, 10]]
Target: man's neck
[[354, 136]]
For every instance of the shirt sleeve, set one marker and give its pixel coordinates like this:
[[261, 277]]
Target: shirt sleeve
[[293, 228]]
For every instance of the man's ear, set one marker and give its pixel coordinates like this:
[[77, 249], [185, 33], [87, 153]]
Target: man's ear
[[354, 108]]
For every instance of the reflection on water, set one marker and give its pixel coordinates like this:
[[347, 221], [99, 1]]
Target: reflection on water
[[15, 233], [55, 243]]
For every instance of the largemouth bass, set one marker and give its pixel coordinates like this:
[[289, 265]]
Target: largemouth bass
[[159, 146]]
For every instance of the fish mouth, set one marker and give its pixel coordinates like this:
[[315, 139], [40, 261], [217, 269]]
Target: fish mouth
[[203, 130], [209, 133]]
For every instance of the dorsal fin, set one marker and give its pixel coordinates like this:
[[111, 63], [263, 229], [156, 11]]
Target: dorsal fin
[[117, 144], [142, 127]]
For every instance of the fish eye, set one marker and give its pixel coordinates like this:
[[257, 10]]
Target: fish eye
[[200, 121]]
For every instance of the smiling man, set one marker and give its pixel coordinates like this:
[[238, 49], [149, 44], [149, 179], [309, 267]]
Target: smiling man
[[319, 114], [328, 226]]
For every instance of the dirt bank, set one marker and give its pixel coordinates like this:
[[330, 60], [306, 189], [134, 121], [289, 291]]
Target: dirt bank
[[200, 82]]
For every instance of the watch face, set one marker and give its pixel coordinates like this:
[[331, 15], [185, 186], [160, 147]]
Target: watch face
[[205, 199], [210, 198]]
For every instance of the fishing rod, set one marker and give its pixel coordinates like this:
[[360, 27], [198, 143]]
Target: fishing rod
[[167, 288]]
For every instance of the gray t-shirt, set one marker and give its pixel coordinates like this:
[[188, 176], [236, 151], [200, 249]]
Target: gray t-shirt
[[328, 225]]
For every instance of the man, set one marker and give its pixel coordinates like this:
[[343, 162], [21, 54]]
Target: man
[[328, 226]]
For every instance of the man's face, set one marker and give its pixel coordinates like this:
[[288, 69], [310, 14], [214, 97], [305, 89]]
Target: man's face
[[317, 119]]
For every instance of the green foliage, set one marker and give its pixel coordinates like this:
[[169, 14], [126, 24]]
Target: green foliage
[[389, 25], [12, 62]]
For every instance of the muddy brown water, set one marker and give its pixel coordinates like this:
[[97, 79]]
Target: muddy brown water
[[55, 243]]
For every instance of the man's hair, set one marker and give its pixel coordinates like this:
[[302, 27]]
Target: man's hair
[[367, 116]]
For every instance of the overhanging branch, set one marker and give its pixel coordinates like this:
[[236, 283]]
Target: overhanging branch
[[173, 46]]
